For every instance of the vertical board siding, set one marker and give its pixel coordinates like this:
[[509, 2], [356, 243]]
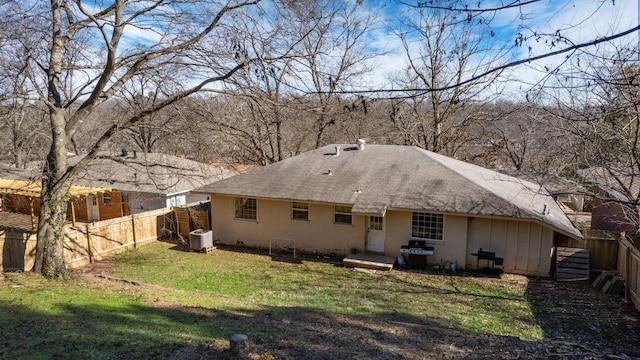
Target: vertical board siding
[[86, 243], [524, 246], [510, 262], [522, 251]]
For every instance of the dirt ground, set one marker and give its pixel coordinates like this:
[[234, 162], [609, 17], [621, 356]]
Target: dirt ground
[[578, 323]]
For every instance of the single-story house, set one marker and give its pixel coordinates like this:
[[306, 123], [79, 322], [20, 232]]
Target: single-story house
[[376, 198], [611, 208]]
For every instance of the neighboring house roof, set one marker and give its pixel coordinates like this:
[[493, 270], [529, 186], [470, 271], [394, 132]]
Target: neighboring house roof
[[618, 183], [13, 173], [27, 182], [148, 173], [382, 177]]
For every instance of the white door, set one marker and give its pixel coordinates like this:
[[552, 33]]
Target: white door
[[375, 234], [93, 212]]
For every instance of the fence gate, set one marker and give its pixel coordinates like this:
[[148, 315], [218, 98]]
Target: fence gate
[[13, 253], [572, 264]]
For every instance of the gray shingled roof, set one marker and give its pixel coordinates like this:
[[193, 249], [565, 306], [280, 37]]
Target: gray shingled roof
[[397, 177], [148, 173], [618, 181], [12, 173], [556, 185]]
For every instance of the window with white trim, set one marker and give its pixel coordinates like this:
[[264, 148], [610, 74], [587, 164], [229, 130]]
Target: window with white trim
[[427, 226], [342, 215], [246, 209], [106, 199], [299, 211], [375, 223]]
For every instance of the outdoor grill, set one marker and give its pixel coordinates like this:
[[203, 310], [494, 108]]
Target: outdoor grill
[[417, 252], [490, 257]]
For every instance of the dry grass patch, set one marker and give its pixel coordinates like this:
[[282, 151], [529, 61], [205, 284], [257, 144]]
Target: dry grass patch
[[187, 304]]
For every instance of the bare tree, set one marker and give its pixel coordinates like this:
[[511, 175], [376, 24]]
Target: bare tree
[[598, 100], [156, 128], [91, 52], [22, 129], [525, 137], [333, 58], [289, 105], [443, 49]]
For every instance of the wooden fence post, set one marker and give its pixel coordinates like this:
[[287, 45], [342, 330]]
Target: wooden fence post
[[89, 247], [629, 264], [133, 228]]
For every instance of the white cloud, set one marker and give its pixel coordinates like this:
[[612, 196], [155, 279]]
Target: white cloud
[[578, 20]]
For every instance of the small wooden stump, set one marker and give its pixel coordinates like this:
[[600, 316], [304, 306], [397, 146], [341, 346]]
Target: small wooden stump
[[238, 345]]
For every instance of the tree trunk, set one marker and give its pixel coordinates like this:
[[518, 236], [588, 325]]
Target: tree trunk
[[53, 203], [50, 246]]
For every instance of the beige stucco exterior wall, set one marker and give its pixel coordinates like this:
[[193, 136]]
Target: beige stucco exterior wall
[[525, 246], [275, 224], [452, 248], [322, 235]]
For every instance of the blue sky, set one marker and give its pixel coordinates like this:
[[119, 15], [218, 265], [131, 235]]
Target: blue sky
[[578, 20]]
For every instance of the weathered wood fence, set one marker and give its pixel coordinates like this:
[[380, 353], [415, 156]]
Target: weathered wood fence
[[191, 217], [629, 268], [602, 246], [89, 242], [15, 245]]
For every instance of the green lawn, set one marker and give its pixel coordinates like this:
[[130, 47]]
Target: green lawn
[[195, 301]]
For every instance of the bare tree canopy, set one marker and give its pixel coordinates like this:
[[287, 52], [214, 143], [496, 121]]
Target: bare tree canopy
[[91, 52]]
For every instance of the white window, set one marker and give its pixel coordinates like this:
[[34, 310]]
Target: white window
[[427, 226], [106, 199], [342, 215], [246, 209], [300, 211], [375, 223]]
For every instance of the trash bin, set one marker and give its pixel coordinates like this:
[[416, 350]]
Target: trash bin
[[200, 239]]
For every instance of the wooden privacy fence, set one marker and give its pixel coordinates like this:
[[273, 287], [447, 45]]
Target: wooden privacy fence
[[191, 218], [629, 268], [602, 246], [89, 242], [15, 246]]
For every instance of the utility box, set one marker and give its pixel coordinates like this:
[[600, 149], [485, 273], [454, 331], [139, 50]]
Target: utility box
[[200, 239]]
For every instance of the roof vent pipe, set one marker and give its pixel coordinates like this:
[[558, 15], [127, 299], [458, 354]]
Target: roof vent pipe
[[360, 143], [337, 150]]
